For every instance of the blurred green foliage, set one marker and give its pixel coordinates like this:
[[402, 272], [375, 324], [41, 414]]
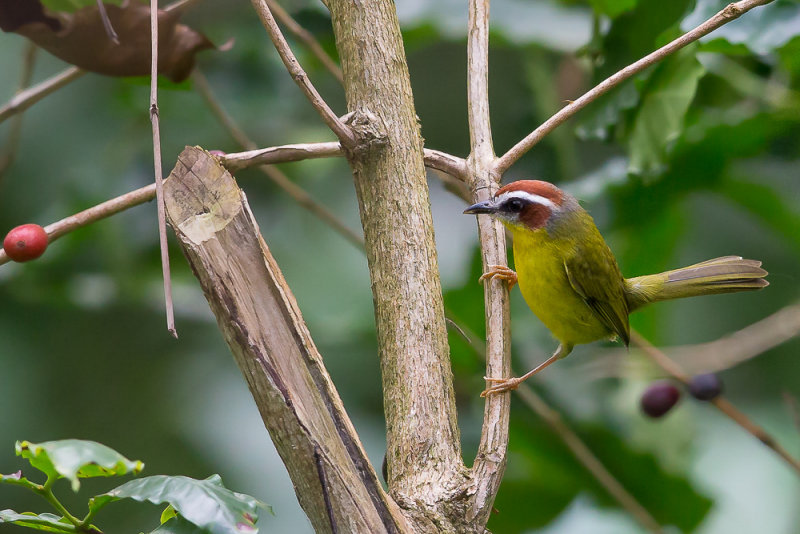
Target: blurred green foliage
[[694, 158]]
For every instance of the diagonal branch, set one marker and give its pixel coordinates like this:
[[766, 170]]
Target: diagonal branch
[[341, 130], [722, 404], [29, 97], [263, 326], [731, 12], [307, 38]]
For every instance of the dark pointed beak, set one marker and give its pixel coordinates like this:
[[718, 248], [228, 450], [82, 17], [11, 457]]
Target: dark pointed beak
[[487, 206]]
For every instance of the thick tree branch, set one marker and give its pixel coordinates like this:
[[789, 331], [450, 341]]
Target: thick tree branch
[[261, 322], [489, 465], [731, 12], [425, 469], [722, 404], [343, 132], [29, 97]]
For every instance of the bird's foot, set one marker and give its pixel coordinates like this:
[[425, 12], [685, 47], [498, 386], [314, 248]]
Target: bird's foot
[[501, 385], [502, 272]]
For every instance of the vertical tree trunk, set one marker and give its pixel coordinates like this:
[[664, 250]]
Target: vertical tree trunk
[[423, 447]]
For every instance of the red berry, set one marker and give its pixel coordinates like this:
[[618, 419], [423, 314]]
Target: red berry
[[659, 398], [705, 387], [25, 243]]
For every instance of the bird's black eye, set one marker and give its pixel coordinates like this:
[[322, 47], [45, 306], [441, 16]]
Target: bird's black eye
[[514, 205]]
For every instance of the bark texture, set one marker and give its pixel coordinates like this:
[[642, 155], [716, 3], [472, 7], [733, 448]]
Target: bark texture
[[258, 315], [426, 473]]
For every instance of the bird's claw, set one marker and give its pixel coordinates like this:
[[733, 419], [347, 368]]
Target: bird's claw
[[501, 272], [501, 385]]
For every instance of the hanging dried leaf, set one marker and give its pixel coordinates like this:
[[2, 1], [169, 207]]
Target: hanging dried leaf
[[80, 38]]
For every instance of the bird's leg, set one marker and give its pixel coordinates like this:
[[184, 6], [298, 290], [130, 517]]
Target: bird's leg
[[502, 272], [502, 385]]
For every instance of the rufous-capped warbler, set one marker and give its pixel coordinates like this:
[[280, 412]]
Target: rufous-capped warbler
[[570, 278]]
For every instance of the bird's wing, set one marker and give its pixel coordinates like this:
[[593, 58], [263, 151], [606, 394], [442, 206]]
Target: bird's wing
[[594, 275]]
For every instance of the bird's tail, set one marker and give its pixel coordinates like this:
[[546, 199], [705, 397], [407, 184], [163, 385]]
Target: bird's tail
[[720, 275]]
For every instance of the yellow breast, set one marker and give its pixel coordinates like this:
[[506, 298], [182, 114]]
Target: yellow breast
[[542, 278]]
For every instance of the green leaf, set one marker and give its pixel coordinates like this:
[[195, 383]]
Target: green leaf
[[178, 525], [762, 30], [659, 120], [46, 522], [74, 459], [613, 8], [205, 503]]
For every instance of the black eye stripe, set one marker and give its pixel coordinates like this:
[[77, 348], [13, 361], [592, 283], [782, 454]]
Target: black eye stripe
[[514, 205]]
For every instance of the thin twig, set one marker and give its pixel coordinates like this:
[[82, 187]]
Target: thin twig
[[278, 178], [101, 8], [15, 128], [574, 443], [341, 130], [162, 221], [29, 97], [264, 156], [585, 456], [490, 462], [729, 13], [669, 365], [93, 214], [307, 38]]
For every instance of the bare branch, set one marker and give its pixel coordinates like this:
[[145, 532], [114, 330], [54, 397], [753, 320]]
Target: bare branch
[[9, 152], [490, 462], [162, 224], [663, 361], [307, 38], [342, 131], [731, 12], [279, 154], [29, 97], [452, 165], [95, 213]]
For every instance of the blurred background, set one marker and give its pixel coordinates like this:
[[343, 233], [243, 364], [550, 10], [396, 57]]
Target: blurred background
[[694, 159]]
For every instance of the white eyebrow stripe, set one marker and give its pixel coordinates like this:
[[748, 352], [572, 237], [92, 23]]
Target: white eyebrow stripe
[[526, 196]]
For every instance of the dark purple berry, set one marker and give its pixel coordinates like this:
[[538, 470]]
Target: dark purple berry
[[659, 398], [705, 387]]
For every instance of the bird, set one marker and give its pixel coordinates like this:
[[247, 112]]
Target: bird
[[570, 279]]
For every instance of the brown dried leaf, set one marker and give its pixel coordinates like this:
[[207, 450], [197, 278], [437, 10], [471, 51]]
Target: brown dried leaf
[[81, 39]]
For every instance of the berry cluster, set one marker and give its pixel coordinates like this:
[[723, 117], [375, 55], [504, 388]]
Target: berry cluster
[[660, 397]]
